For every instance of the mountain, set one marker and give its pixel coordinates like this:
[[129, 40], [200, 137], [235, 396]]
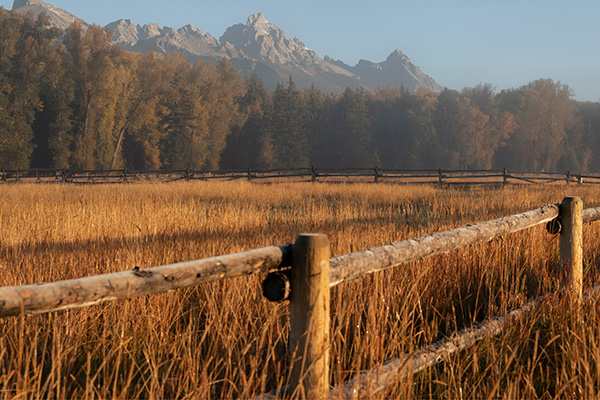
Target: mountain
[[257, 46], [58, 17], [188, 40], [396, 68]]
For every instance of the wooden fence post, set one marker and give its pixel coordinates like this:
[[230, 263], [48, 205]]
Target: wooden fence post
[[309, 317], [376, 171], [504, 177], [314, 174], [440, 177], [568, 177], [571, 246]]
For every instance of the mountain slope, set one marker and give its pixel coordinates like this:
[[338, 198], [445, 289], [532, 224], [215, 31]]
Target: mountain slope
[[257, 46], [57, 16]]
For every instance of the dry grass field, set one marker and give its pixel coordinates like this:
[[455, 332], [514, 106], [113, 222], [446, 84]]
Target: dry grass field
[[224, 340]]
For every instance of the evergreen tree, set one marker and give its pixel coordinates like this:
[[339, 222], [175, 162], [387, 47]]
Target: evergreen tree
[[394, 140], [290, 142], [54, 123], [316, 125], [185, 144], [450, 126], [250, 143], [354, 144]]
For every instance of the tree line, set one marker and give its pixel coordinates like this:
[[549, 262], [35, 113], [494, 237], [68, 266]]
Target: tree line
[[77, 100]]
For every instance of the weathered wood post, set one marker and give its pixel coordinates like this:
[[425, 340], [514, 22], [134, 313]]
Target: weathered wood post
[[314, 174], [249, 175], [571, 245], [504, 177], [440, 177], [579, 179], [568, 177], [309, 317], [376, 172]]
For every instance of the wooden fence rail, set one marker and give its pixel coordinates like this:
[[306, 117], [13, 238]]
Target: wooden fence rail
[[48, 297], [307, 285], [355, 265], [438, 176]]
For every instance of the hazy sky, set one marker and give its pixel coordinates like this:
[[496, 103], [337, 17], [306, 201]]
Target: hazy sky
[[460, 43]]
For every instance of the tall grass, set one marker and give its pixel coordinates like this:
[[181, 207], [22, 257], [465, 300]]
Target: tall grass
[[223, 340]]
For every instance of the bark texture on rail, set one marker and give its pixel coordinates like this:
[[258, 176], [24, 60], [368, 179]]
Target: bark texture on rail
[[367, 384], [355, 265], [591, 214], [47, 297]]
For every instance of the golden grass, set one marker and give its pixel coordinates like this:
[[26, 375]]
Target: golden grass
[[223, 340]]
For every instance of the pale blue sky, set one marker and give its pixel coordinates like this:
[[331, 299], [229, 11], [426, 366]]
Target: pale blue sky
[[460, 43]]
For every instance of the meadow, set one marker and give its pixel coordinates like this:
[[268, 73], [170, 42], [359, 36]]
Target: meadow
[[224, 340]]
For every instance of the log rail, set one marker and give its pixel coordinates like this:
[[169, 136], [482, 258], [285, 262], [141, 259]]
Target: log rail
[[62, 295], [310, 254]]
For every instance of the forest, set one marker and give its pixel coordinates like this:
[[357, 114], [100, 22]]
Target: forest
[[76, 100]]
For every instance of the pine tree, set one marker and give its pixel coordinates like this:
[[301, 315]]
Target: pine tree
[[250, 144], [290, 142], [354, 138], [317, 127]]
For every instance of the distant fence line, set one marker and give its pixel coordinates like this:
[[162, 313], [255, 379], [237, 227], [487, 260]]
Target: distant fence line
[[438, 176], [307, 270]]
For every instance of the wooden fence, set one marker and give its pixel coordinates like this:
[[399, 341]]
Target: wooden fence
[[303, 274], [438, 176]]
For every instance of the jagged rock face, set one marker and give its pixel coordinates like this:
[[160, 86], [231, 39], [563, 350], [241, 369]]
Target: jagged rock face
[[58, 17], [124, 32], [261, 40], [396, 68], [188, 40], [256, 46]]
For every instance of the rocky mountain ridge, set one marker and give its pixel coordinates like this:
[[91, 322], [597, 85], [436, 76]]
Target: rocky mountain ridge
[[58, 17], [257, 46]]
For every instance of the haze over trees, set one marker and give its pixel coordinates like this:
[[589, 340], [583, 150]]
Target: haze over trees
[[85, 103]]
